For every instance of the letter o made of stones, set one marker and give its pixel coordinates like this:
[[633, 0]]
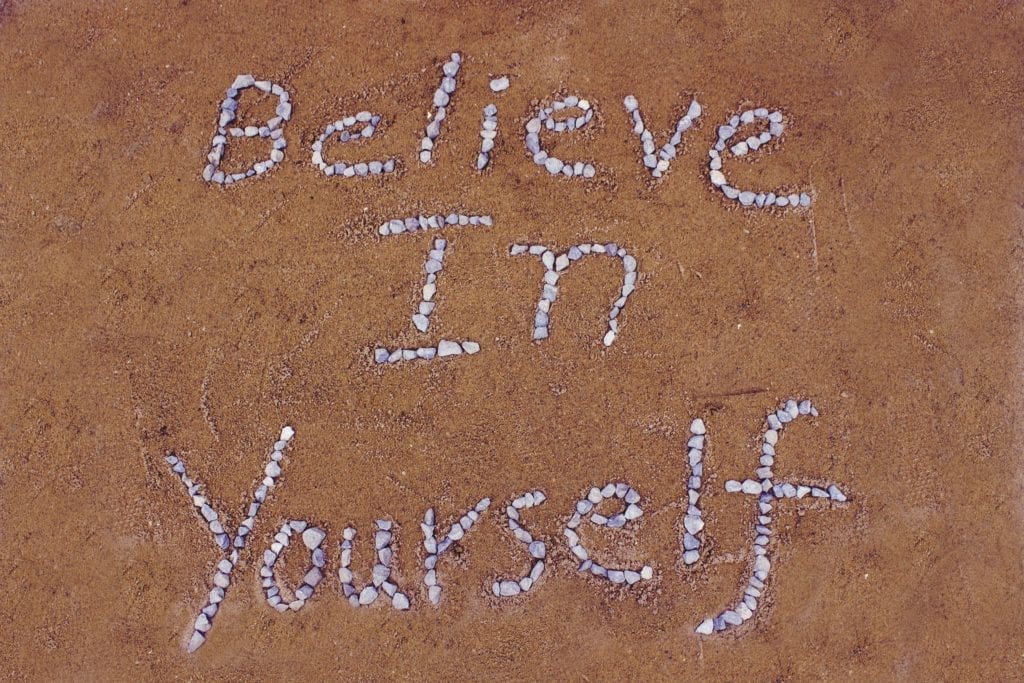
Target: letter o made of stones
[[312, 539]]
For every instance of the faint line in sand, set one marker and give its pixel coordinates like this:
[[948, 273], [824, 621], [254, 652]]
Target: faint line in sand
[[204, 405], [735, 392]]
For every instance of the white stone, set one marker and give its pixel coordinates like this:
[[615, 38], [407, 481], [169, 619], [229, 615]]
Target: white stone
[[751, 487], [313, 537], [367, 595], [448, 348]]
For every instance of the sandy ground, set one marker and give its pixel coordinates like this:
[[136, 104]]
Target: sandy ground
[[142, 310]]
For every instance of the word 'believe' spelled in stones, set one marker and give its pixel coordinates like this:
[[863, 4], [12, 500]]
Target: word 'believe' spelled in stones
[[563, 115], [612, 505]]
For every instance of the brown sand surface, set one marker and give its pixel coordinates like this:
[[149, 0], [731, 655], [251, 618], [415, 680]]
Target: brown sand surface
[[142, 310]]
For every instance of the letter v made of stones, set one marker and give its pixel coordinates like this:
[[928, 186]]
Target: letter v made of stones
[[222, 578]]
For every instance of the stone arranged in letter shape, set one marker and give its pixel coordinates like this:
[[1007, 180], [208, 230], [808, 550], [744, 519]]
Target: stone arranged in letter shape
[[545, 119], [312, 538], [381, 573], [693, 522], [344, 128], [274, 129], [488, 132], [442, 99], [506, 588], [752, 143], [432, 266], [437, 548], [767, 492], [555, 264], [585, 507], [222, 578], [657, 165]]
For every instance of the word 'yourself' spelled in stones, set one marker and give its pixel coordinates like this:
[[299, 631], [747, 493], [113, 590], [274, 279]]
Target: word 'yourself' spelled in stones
[[611, 506], [564, 115]]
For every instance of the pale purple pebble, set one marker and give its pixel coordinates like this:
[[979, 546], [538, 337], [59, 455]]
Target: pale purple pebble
[[553, 165]]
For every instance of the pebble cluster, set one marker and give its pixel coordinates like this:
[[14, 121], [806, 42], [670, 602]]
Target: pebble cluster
[[433, 265], [312, 538], [362, 126], [381, 572], [657, 165], [693, 522], [272, 130], [437, 548], [767, 491], [442, 97], [555, 264], [444, 349], [222, 578], [397, 226], [506, 588], [586, 507], [545, 119], [741, 148], [488, 132]]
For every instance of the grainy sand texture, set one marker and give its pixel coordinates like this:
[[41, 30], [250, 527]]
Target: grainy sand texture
[[144, 311]]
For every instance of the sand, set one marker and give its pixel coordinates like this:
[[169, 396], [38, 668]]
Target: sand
[[142, 310]]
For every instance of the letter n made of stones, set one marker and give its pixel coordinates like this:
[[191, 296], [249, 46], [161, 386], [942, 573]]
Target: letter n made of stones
[[556, 264]]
